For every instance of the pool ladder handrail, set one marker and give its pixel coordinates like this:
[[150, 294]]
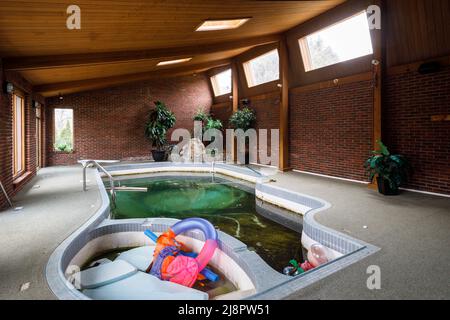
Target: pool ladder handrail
[[110, 177], [6, 195]]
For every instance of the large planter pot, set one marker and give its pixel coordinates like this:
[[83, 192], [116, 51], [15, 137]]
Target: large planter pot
[[385, 188], [247, 156], [158, 155]]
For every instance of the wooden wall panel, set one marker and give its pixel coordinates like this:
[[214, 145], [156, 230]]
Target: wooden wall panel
[[417, 30], [33, 28]]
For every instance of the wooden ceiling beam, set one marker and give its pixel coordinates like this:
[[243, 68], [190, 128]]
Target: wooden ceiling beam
[[59, 61], [54, 89], [283, 159]]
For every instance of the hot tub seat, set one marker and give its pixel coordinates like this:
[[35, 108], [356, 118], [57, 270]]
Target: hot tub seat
[[143, 286]]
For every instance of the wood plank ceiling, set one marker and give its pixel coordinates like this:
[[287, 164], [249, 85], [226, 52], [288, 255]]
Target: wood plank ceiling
[[124, 40]]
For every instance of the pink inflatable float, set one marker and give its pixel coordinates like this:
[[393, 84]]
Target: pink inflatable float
[[172, 262]]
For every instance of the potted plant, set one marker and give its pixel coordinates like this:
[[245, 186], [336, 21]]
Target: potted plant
[[159, 121], [200, 118], [200, 115], [243, 119], [389, 169], [213, 124]]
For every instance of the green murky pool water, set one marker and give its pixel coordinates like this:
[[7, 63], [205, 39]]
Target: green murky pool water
[[229, 206]]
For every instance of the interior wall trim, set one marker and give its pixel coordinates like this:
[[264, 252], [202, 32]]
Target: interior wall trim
[[333, 83]]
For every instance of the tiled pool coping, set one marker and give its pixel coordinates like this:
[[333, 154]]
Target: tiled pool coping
[[269, 283]]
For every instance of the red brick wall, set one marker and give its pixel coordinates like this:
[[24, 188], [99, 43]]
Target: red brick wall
[[411, 100], [222, 111], [267, 111], [109, 123], [331, 130], [5, 141], [6, 135]]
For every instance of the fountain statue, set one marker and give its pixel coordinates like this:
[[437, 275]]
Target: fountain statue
[[193, 151]]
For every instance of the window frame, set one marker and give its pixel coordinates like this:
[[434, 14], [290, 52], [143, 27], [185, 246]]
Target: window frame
[[39, 135], [54, 130], [248, 70], [16, 171], [215, 85], [306, 53]]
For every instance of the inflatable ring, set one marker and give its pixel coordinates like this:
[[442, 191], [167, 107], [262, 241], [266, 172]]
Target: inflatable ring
[[210, 237], [171, 264]]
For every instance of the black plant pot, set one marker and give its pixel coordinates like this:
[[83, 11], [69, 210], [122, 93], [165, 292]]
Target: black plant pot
[[385, 188], [158, 155], [247, 156]]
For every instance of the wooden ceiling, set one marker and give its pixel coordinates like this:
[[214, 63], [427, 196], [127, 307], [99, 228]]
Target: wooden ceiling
[[125, 38]]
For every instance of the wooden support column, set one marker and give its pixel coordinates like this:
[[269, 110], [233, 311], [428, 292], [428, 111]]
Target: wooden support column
[[283, 164], [234, 100], [378, 67]]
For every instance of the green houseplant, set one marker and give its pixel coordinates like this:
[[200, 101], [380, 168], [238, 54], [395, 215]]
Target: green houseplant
[[243, 119], [390, 170], [200, 115], [213, 124], [160, 120]]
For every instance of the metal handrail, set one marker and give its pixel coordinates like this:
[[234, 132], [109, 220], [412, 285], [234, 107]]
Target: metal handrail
[[6, 195], [98, 166]]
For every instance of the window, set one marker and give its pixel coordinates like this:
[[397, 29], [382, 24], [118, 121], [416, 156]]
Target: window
[[346, 40], [215, 25], [262, 69], [64, 130], [168, 62], [38, 135], [221, 83], [18, 135]]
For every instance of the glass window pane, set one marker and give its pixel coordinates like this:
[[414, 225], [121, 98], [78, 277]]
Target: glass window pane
[[343, 41], [262, 69], [64, 129], [221, 83], [18, 135]]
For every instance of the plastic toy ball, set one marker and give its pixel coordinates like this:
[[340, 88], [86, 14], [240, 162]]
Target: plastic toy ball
[[317, 255]]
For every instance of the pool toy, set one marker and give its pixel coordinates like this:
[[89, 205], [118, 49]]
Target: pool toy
[[171, 260], [293, 269], [317, 255], [206, 272]]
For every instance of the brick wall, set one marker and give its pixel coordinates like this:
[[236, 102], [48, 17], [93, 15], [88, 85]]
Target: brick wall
[[222, 111], [109, 123], [5, 142], [331, 130], [411, 100], [6, 135], [267, 110]]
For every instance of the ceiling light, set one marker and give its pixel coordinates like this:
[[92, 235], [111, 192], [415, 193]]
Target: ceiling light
[[164, 63], [214, 25], [9, 87]]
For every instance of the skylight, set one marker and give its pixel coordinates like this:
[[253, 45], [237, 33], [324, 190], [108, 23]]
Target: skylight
[[214, 25], [164, 63], [262, 69], [221, 83], [343, 41]]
